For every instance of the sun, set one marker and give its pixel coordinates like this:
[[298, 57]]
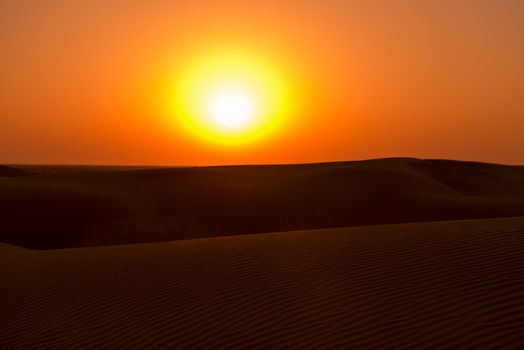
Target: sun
[[230, 98], [231, 109]]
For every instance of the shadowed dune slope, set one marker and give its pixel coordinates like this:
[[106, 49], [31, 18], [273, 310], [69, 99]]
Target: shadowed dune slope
[[79, 208], [449, 284], [4, 247], [6, 171]]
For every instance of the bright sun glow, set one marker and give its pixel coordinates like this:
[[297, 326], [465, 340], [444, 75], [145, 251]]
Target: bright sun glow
[[231, 109], [230, 98]]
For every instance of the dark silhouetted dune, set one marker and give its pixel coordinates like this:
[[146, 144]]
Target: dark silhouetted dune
[[449, 284], [6, 171], [80, 206]]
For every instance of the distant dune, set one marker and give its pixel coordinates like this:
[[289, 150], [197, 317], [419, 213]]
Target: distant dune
[[455, 284], [6, 171], [54, 208]]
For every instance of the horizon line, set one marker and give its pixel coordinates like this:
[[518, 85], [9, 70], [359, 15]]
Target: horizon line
[[15, 164]]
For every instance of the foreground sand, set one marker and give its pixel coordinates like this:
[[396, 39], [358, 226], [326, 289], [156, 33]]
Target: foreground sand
[[457, 284]]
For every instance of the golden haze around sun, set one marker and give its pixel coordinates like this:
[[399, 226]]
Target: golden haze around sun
[[231, 98]]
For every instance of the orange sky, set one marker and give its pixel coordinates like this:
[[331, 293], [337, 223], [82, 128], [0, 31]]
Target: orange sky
[[81, 80]]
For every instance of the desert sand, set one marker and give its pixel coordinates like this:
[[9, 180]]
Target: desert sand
[[447, 284], [64, 207], [389, 253]]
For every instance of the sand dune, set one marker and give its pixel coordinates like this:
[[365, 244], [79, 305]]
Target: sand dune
[[75, 208], [452, 284], [6, 171], [4, 247]]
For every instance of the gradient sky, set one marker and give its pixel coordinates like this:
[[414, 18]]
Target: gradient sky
[[375, 78]]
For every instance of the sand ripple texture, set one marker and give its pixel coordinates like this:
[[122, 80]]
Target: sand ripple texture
[[447, 284]]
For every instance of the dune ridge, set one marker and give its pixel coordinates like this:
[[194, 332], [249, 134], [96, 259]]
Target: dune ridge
[[6, 171], [79, 207], [453, 284]]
